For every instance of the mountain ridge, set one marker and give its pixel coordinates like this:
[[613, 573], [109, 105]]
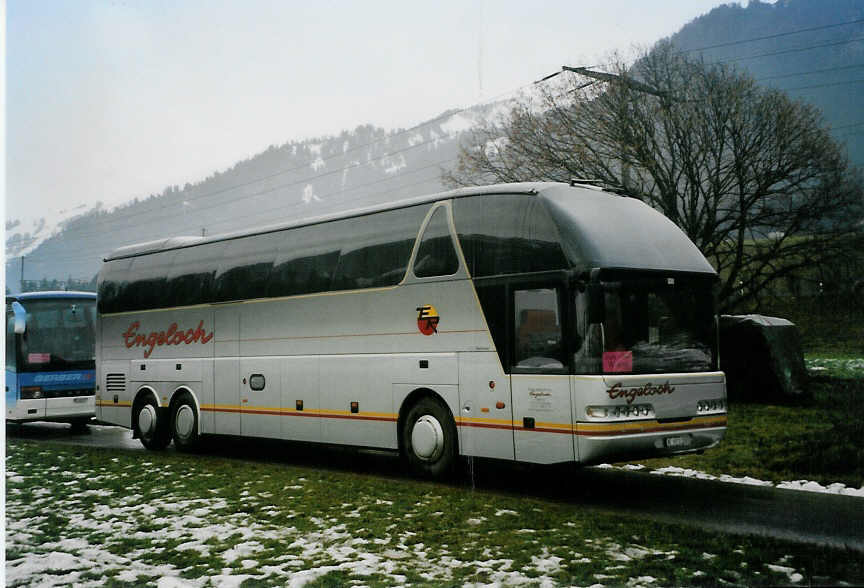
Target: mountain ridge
[[369, 165]]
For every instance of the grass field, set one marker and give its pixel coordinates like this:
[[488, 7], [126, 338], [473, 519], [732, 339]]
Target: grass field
[[94, 517], [830, 328], [819, 440]]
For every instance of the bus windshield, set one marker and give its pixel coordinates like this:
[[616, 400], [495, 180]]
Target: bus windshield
[[652, 325], [60, 335]]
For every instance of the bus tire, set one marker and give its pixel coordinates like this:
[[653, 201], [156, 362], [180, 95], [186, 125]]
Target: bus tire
[[184, 423], [150, 424], [429, 439]]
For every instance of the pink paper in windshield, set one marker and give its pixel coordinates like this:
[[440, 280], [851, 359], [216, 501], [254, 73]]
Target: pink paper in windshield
[[617, 361]]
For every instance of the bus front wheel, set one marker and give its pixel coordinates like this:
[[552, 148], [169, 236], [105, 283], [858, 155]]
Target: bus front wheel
[[184, 424], [429, 439], [150, 425]]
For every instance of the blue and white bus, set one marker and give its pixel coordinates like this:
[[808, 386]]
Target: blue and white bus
[[50, 357]]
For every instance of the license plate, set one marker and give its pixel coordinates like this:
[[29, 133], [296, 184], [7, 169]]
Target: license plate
[[677, 442]]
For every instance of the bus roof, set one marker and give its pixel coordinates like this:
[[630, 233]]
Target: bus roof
[[186, 241], [51, 294], [601, 228]]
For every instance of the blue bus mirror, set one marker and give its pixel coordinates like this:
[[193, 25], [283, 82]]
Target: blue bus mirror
[[20, 318]]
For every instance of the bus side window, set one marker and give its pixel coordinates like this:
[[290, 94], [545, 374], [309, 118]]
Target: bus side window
[[376, 249], [537, 330], [192, 274], [436, 255], [149, 287], [113, 281], [306, 260], [246, 268], [493, 301], [587, 339], [507, 234]]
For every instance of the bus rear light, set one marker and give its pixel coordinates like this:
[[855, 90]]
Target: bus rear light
[[31, 392], [620, 412], [715, 405]]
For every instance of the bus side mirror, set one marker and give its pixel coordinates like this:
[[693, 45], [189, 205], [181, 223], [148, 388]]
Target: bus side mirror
[[20, 318], [596, 306]]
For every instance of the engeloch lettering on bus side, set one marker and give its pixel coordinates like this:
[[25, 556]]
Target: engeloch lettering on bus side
[[173, 336]]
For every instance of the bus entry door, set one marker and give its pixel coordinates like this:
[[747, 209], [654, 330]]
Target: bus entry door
[[543, 431], [539, 383]]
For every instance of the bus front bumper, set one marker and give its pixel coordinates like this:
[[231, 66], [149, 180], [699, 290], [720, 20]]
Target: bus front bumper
[[52, 409], [596, 448]]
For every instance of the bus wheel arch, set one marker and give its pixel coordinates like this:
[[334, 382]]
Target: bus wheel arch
[[149, 420], [185, 419], [428, 441]]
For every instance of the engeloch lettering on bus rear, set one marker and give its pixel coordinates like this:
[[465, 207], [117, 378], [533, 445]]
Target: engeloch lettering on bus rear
[[174, 335], [619, 391]]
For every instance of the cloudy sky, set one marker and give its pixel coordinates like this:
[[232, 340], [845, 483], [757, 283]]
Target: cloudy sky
[[112, 99]]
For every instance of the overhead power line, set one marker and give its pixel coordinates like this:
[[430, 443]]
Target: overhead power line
[[812, 71], [385, 137], [211, 193], [787, 51], [858, 124], [824, 85], [173, 211], [775, 36], [743, 41], [97, 249]]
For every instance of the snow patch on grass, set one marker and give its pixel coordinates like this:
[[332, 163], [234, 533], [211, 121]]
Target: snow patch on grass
[[804, 485]]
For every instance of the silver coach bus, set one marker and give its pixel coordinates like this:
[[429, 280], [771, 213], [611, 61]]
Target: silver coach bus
[[538, 322]]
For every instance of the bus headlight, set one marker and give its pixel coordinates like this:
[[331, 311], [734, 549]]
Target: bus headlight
[[620, 412], [31, 392]]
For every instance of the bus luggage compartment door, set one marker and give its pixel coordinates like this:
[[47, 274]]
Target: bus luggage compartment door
[[260, 397], [485, 418]]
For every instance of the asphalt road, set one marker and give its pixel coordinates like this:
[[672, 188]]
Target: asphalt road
[[732, 508]]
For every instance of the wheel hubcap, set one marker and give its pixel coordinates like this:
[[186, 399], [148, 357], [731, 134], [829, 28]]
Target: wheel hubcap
[[427, 438], [147, 420], [184, 421]]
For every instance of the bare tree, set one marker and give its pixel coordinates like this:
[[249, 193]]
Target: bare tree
[[752, 176]]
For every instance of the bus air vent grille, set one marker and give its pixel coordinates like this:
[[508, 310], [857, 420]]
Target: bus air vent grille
[[115, 382]]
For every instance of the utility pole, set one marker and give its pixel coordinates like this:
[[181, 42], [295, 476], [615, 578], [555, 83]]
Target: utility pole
[[21, 286], [607, 77], [621, 79]]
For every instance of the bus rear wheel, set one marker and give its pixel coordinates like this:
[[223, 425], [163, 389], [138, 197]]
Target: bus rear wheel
[[150, 426], [184, 424], [429, 439]]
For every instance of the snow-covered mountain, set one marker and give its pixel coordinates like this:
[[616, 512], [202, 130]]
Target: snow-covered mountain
[[798, 46], [295, 180]]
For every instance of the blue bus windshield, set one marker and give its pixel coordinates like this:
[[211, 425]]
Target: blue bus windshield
[[60, 336]]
